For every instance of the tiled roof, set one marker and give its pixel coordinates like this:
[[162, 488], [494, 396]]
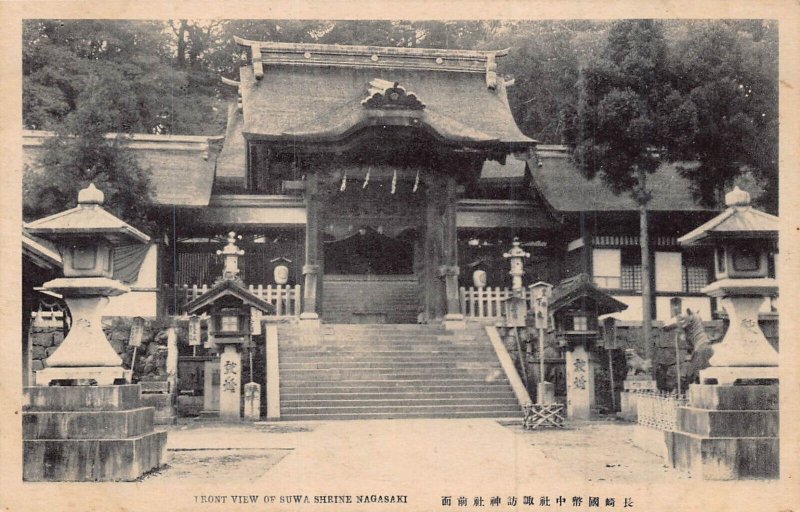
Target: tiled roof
[[566, 189], [181, 166], [321, 98], [580, 288]]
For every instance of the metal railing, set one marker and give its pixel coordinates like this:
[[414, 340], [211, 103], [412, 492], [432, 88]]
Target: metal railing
[[659, 409]]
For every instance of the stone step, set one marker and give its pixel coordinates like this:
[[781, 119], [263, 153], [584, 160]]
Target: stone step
[[352, 363], [401, 415], [408, 349], [380, 384], [389, 374], [391, 371], [371, 393], [402, 409], [348, 403]]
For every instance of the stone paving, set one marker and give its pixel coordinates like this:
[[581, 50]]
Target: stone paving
[[428, 460]]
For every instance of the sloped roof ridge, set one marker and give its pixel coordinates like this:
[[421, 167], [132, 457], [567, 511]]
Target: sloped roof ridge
[[344, 49]]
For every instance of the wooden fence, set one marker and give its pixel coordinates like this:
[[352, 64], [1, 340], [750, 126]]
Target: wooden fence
[[488, 302], [286, 299]]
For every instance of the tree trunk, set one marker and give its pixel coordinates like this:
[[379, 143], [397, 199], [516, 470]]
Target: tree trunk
[[647, 293]]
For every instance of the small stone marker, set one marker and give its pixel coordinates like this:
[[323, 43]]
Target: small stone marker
[[252, 401]]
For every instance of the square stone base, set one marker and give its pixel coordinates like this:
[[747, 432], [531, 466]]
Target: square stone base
[[728, 433], [726, 458], [92, 460], [88, 433]]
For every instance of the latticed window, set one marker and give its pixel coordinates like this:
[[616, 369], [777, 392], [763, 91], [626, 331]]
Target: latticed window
[[631, 276], [696, 272]]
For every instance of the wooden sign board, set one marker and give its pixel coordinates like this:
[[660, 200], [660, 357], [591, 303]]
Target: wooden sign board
[[194, 331], [137, 332]]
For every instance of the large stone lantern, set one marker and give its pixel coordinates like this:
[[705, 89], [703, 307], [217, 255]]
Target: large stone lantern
[[742, 238], [83, 420], [730, 429], [86, 236]]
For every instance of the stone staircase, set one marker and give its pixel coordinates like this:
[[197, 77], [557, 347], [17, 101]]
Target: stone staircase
[[365, 371]]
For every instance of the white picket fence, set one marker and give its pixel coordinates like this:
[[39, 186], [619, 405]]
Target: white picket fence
[[287, 300], [488, 302]]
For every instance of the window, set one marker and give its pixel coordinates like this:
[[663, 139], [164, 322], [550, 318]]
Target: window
[[229, 323], [580, 323], [631, 269], [696, 271]]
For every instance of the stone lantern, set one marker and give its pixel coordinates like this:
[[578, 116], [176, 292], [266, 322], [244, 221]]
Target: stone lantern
[[742, 238], [516, 258], [84, 421], [730, 428], [576, 303], [86, 236], [230, 306]]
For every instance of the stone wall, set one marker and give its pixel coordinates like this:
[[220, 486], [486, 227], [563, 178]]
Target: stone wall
[[150, 358]]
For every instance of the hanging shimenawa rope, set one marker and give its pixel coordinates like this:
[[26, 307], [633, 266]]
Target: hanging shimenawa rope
[[416, 182], [343, 187], [366, 178], [394, 181]]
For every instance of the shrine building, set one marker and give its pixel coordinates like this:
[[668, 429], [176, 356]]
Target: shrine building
[[382, 186]]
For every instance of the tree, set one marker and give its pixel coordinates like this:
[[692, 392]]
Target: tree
[[80, 153], [727, 74], [620, 122]]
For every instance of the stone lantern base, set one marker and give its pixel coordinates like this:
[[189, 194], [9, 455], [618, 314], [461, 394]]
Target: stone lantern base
[[728, 433], [88, 433], [101, 375]]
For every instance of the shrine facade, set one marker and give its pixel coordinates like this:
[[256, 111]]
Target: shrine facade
[[382, 185]]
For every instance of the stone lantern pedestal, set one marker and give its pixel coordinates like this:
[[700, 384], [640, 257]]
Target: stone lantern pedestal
[[730, 429], [84, 421]]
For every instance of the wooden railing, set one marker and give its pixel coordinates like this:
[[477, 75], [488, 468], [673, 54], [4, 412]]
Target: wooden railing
[[286, 299], [487, 302]]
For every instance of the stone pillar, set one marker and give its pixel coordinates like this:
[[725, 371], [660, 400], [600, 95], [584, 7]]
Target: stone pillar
[[230, 392], [311, 269], [252, 401], [580, 383], [631, 386], [211, 388]]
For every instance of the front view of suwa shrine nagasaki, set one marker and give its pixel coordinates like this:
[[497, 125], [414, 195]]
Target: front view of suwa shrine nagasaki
[[363, 242]]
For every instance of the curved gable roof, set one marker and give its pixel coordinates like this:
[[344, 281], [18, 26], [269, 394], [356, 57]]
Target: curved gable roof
[[317, 93]]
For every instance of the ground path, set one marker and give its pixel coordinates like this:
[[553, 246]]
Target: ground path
[[430, 459]]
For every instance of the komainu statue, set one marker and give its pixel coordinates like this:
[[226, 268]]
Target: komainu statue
[[699, 345], [636, 364]]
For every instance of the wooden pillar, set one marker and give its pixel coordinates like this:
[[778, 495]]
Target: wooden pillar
[[431, 279], [454, 319], [311, 268]]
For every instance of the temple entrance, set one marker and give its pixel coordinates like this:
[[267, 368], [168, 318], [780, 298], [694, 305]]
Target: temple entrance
[[370, 252], [369, 278]]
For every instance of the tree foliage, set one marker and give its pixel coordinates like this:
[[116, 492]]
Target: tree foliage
[[704, 91]]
